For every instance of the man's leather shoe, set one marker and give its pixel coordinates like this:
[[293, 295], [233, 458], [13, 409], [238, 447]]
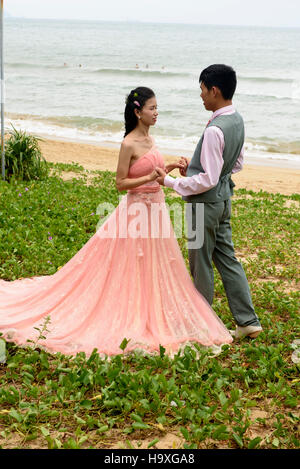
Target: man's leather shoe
[[247, 331]]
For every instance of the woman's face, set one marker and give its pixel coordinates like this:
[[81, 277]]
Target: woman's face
[[149, 112]]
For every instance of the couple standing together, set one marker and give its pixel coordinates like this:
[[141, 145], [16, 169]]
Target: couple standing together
[[138, 287]]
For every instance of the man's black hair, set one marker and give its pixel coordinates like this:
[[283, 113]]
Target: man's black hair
[[222, 76]]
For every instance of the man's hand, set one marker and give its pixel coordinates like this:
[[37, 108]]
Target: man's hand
[[185, 162], [178, 164], [161, 176]]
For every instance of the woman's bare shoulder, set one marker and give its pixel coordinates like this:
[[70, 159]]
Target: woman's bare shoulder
[[127, 143]]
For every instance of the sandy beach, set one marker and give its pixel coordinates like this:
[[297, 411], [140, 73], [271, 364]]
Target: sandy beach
[[93, 157]]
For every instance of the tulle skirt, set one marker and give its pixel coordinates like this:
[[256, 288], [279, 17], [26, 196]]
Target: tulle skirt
[[128, 281]]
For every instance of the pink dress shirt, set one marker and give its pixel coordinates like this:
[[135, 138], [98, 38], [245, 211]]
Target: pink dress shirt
[[211, 161]]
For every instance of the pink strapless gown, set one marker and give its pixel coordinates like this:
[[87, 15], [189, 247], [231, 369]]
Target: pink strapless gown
[[116, 286]]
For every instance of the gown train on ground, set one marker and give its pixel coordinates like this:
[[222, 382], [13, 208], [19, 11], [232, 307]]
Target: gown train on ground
[[128, 281]]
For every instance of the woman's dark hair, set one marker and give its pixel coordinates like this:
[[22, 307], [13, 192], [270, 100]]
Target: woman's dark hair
[[222, 76], [135, 100]]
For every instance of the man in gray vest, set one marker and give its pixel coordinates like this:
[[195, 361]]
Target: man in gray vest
[[218, 154]]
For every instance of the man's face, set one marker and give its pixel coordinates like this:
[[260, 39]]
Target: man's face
[[208, 97]]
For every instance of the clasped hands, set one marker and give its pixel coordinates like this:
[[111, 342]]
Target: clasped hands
[[159, 174]]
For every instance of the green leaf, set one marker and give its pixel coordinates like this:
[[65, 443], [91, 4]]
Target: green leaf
[[44, 360], [71, 444], [254, 443], [86, 404], [145, 404], [79, 419], [291, 402], [124, 344], [57, 443], [60, 395], [140, 426], [238, 440], [185, 433], [156, 440], [82, 439], [13, 413], [45, 431], [221, 433], [222, 398], [162, 351], [102, 429], [2, 351], [137, 418]]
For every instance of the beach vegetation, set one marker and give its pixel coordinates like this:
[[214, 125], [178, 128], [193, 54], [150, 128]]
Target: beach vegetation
[[23, 158], [246, 397]]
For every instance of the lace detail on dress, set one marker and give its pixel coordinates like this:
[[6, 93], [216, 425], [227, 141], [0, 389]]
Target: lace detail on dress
[[147, 198]]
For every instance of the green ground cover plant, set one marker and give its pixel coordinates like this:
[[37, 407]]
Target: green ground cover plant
[[246, 397]]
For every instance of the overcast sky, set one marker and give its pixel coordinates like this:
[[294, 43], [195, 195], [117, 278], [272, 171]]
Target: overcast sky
[[226, 12]]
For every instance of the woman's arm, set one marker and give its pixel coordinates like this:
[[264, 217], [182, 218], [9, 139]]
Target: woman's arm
[[122, 181]]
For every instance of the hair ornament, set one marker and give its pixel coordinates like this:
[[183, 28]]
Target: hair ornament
[[137, 103]]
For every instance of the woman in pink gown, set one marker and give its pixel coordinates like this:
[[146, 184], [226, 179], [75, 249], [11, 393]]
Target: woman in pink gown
[[128, 281]]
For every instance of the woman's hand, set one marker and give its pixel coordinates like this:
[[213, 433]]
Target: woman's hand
[[161, 174], [153, 176]]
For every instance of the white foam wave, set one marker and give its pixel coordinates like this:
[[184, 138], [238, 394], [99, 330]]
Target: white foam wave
[[178, 145], [69, 133]]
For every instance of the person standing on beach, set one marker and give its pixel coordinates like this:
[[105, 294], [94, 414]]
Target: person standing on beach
[[218, 154]]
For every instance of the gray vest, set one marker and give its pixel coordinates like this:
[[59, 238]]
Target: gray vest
[[232, 126]]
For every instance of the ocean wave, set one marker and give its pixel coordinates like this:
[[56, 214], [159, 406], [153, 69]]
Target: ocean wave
[[276, 88], [99, 130], [143, 71], [26, 65], [292, 148], [275, 147], [270, 96], [89, 123], [137, 71], [265, 79], [102, 71], [50, 129]]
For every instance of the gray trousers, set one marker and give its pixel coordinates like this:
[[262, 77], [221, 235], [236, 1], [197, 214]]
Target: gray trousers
[[218, 248]]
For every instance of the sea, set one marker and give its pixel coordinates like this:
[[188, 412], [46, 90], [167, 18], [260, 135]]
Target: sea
[[67, 79]]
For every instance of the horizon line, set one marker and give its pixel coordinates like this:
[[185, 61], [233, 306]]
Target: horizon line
[[151, 22]]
